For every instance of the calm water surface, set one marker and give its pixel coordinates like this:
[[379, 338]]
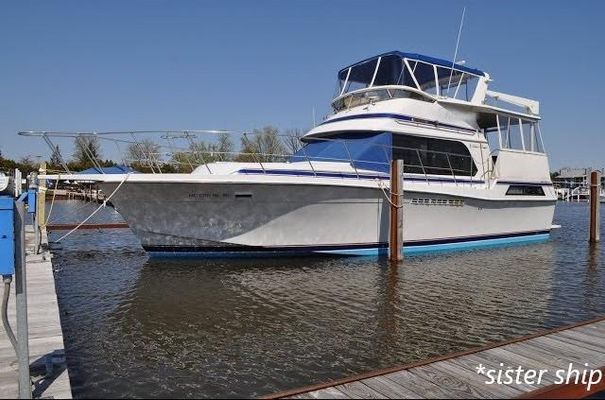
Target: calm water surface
[[136, 327]]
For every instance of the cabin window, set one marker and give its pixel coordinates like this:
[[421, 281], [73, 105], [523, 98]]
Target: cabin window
[[516, 134], [514, 137], [433, 156], [525, 190]]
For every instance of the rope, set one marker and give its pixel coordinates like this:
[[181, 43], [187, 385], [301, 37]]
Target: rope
[[52, 203], [387, 196], [95, 211], [73, 211]]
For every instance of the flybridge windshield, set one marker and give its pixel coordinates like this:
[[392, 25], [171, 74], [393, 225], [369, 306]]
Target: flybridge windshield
[[394, 69]]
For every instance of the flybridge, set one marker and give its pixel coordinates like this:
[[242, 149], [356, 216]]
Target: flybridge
[[427, 76], [419, 57]]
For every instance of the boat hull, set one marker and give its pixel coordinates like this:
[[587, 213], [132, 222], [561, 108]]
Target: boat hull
[[228, 219]]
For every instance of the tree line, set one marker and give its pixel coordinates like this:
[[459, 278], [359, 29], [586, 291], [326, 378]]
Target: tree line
[[262, 145]]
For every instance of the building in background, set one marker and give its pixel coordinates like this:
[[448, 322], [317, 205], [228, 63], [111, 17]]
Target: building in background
[[573, 184]]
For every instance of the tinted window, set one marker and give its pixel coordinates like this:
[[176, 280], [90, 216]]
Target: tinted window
[[525, 190], [433, 156]]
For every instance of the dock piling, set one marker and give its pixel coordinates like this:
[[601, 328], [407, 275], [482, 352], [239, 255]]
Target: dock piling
[[595, 205], [396, 212]]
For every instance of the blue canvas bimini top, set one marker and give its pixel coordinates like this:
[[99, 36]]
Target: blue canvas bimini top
[[420, 57]]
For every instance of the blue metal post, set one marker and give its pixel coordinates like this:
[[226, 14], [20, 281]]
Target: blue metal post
[[12, 262], [7, 236]]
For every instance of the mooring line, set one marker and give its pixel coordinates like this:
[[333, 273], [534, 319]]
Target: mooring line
[[387, 195], [52, 202], [95, 211]]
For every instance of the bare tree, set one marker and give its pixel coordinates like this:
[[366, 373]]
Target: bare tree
[[262, 145], [292, 140], [144, 151], [56, 159], [224, 147], [87, 149], [27, 161]]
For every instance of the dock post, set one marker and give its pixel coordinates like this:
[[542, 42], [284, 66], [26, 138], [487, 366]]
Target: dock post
[[595, 204], [42, 189], [32, 205], [396, 212], [25, 388]]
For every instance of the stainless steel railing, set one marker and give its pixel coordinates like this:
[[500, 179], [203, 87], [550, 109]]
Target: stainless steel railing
[[181, 150]]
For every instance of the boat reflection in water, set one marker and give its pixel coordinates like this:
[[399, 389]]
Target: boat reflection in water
[[249, 328]]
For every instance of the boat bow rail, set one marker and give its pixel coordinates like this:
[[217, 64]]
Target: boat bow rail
[[185, 154]]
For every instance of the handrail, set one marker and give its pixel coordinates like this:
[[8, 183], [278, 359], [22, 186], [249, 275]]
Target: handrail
[[154, 156]]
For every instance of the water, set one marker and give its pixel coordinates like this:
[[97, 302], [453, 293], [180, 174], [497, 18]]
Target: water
[[136, 327]]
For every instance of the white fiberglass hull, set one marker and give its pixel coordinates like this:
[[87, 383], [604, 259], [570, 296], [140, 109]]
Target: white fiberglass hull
[[231, 218]]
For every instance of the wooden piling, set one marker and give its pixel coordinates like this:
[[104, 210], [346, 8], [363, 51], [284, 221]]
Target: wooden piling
[[396, 212], [595, 185]]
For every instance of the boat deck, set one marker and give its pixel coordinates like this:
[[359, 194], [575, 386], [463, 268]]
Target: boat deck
[[458, 375]]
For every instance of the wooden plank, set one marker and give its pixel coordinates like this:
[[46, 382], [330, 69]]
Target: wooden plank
[[571, 391], [595, 329], [328, 393], [515, 356], [302, 396], [593, 342], [389, 388], [597, 350], [493, 362], [467, 369], [567, 349], [452, 384], [420, 386], [472, 378], [359, 390], [551, 353]]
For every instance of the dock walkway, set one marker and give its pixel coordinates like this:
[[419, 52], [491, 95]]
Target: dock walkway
[[45, 334], [457, 376]]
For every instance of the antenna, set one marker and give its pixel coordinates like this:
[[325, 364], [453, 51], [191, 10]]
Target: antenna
[[314, 124], [456, 51]]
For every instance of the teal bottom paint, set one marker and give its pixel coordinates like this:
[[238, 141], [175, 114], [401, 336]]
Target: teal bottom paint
[[370, 251], [446, 247]]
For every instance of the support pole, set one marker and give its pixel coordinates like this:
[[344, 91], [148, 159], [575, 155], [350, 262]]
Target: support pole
[[42, 189], [25, 388], [396, 212], [33, 209], [595, 205]]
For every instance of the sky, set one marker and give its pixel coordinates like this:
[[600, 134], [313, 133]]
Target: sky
[[239, 65]]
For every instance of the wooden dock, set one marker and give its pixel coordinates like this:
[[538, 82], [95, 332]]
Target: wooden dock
[[46, 349], [457, 376]]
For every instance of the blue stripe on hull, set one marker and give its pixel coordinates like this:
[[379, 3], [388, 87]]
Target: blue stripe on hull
[[413, 249], [446, 247]]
